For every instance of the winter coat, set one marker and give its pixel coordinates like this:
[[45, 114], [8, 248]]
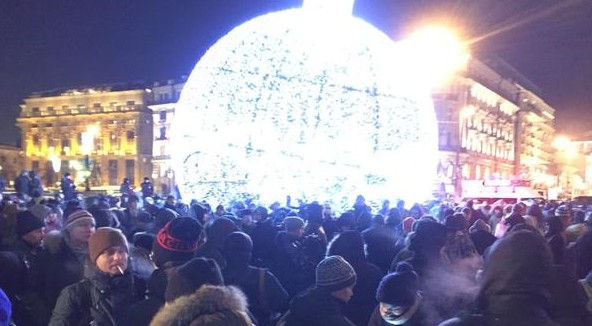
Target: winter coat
[[68, 188], [147, 189], [482, 240], [266, 297], [142, 312], [263, 236], [56, 267], [515, 284], [216, 305], [101, 299], [315, 306], [293, 267]]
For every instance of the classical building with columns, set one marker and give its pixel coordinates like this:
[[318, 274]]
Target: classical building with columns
[[100, 134]]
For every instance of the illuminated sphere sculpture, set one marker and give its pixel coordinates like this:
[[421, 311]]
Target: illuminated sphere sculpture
[[308, 102]]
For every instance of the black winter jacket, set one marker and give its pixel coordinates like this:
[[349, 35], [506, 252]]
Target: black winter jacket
[[100, 299]]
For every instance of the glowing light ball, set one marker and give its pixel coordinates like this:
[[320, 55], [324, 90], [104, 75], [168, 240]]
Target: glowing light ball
[[307, 102]]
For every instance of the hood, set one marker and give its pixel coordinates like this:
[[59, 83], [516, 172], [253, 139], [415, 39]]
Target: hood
[[211, 302], [517, 268]]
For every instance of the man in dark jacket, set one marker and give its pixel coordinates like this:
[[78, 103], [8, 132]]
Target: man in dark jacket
[[68, 187], [323, 303], [105, 297], [175, 244], [147, 188], [64, 257]]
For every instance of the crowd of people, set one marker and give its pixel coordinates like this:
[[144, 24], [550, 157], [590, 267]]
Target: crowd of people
[[140, 259]]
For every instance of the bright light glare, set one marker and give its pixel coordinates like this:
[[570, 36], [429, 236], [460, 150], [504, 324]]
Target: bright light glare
[[434, 53], [313, 110]]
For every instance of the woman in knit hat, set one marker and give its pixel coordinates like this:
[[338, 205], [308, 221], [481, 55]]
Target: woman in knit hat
[[64, 258], [105, 296], [322, 304]]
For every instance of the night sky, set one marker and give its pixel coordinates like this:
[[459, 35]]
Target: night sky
[[68, 43]]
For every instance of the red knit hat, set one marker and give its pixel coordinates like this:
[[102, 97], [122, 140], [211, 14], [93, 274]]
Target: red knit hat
[[177, 240]]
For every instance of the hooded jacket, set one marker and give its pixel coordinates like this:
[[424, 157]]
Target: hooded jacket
[[515, 286], [211, 305]]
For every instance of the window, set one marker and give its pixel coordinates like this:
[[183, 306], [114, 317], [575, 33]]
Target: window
[[113, 177], [162, 133], [35, 165], [130, 135], [130, 103], [36, 140], [163, 115], [129, 170], [35, 111]]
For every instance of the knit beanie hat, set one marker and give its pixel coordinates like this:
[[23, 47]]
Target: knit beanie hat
[[176, 241], [400, 287], [293, 223], [27, 222], [335, 273], [104, 239], [78, 217], [187, 278]]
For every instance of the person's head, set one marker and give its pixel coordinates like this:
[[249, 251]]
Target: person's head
[[398, 295], [176, 241], [187, 278], [456, 222], [349, 245], [336, 276], [133, 202], [170, 200], [563, 212], [467, 213], [146, 179], [108, 250], [80, 226], [237, 249], [294, 225], [521, 261], [260, 213], [29, 228]]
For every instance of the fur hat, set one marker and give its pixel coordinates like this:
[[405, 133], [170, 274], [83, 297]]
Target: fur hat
[[104, 239], [176, 241], [400, 287], [27, 222], [78, 217], [187, 278], [335, 273], [428, 236]]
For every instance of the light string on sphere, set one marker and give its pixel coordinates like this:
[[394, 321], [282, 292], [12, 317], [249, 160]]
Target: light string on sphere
[[305, 102]]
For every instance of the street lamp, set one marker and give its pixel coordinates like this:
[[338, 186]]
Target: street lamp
[[433, 53], [88, 144]]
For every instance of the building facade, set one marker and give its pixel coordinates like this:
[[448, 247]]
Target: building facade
[[11, 163], [490, 128], [164, 99], [99, 134]]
